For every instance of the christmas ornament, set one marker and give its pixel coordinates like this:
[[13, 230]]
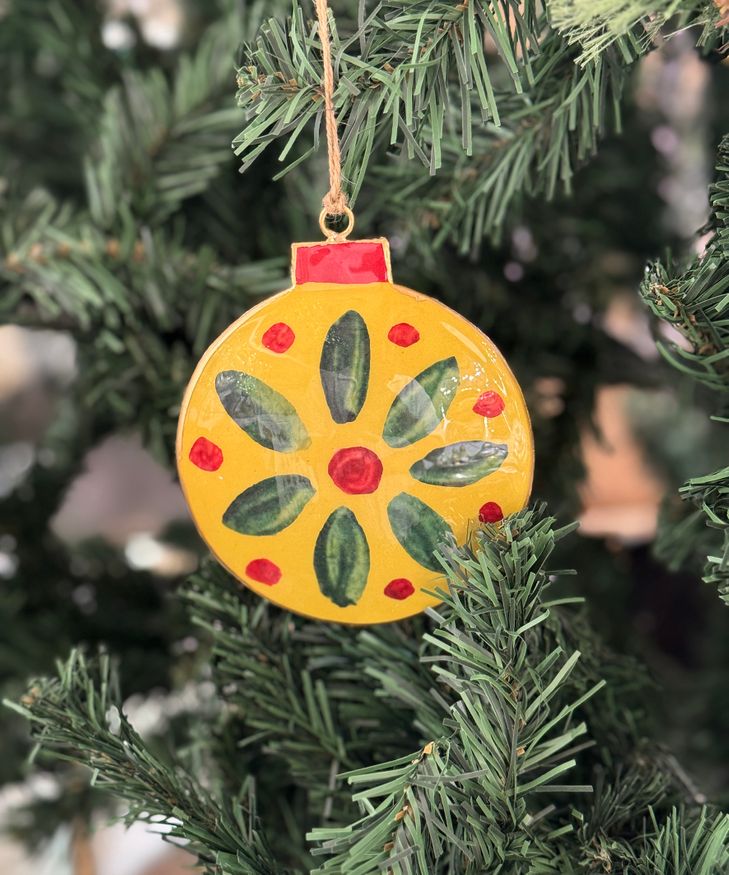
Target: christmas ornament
[[336, 435]]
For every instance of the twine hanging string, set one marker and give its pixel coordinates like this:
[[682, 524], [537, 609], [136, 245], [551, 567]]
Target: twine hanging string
[[334, 201]]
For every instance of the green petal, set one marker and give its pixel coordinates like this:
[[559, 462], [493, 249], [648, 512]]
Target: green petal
[[269, 506], [418, 528], [459, 464], [342, 558], [345, 366], [422, 404], [261, 412]]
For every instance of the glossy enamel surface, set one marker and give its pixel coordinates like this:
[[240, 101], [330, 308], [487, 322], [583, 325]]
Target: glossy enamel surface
[[353, 426]]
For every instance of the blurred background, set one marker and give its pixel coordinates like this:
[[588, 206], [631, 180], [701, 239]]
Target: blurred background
[[94, 535]]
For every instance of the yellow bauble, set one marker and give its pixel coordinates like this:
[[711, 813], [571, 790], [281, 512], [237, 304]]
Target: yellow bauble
[[337, 433]]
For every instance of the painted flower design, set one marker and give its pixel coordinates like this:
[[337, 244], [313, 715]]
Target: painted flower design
[[341, 557]]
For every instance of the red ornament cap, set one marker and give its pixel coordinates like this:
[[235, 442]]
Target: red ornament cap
[[206, 455], [356, 262]]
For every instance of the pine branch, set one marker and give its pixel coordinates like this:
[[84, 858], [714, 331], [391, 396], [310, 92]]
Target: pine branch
[[162, 141], [78, 717], [141, 305], [544, 135], [55, 71], [140, 298], [711, 494], [491, 123], [697, 847], [395, 74], [303, 690], [487, 793], [693, 298], [460, 109], [60, 271], [510, 732], [632, 25]]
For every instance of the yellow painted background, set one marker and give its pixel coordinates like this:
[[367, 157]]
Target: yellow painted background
[[310, 310]]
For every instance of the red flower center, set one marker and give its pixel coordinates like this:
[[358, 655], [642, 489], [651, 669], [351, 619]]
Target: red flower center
[[355, 470]]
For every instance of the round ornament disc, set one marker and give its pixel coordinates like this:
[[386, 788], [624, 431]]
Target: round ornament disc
[[340, 431]]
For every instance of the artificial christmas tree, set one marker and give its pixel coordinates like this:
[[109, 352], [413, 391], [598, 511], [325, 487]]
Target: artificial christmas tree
[[516, 156]]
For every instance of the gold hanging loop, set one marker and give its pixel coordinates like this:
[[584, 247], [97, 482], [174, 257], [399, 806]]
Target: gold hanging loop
[[330, 233]]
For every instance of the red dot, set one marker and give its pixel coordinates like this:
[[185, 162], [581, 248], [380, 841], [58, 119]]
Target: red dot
[[490, 512], [355, 470], [206, 455], [400, 588], [263, 571], [403, 334], [278, 338], [489, 404]]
